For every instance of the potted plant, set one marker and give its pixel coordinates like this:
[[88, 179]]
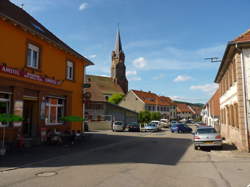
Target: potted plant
[[72, 119], [7, 118]]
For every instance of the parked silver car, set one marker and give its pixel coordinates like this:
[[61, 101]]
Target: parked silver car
[[151, 127], [205, 136], [118, 126]]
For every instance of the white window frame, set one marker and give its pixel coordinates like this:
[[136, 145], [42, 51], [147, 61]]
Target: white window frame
[[30, 62], [47, 121], [70, 74]]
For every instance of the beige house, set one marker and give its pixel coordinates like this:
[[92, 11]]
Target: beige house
[[148, 101], [184, 111], [234, 79]]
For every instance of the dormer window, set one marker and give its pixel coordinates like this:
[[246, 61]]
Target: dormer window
[[33, 56]]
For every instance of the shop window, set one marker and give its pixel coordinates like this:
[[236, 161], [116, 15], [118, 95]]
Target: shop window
[[4, 105], [54, 110], [33, 56], [70, 70]]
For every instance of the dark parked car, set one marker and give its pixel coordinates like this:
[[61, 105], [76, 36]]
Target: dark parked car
[[180, 128], [133, 126]]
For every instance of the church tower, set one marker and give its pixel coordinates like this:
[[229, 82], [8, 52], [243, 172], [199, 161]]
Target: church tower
[[118, 68]]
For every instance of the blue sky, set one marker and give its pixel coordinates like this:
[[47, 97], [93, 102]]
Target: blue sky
[[165, 41]]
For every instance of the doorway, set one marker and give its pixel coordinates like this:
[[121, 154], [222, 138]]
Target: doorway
[[30, 114]]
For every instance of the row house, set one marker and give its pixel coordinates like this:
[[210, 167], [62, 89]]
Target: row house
[[184, 111], [41, 77], [233, 78], [211, 111], [147, 101]]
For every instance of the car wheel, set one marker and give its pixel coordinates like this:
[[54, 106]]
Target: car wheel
[[172, 131], [196, 147], [179, 131]]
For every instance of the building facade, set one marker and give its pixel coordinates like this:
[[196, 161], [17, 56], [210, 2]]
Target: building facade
[[211, 111], [102, 88], [184, 111], [233, 79], [147, 101], [41, 78]]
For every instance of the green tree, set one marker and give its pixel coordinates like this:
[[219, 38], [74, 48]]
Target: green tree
[[116, 98], [144, 117], [155, 116], [7, 118]]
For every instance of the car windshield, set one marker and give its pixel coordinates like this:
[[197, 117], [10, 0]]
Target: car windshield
[[151, 124], [133, 124], [118, 123], [206, 131], [176, 125]]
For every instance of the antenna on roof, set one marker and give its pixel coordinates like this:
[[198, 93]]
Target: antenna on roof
[[22, 5], [213, 59]]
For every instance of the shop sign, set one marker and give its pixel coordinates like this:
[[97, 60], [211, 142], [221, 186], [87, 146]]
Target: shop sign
[[18, 110], [25, 74]]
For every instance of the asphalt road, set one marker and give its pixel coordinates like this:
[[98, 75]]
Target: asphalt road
[[135, 160]]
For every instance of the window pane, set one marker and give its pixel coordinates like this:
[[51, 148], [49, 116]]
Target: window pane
[[29, 57], [60, 113], [35, 59], [53, 114], [4, 109]]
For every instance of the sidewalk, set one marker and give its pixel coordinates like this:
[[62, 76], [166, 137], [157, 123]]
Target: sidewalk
[[20, 157], [23, 158]]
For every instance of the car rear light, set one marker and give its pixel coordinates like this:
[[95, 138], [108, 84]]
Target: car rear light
[[218, 137], [196, 137]]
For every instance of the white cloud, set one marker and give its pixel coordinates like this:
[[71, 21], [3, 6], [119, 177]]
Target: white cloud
[[158, 77], [83, 6], [104, 75], [132, 76], [92, 56], [128, 73], [182, 78], [187, 99], [140, 62], [207, 88], [171, 58]]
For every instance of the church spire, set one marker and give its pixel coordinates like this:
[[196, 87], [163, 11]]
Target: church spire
[[118, 68], [118, 43]]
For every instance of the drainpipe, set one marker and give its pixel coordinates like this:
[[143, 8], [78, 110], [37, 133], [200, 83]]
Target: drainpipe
[[244, 95]]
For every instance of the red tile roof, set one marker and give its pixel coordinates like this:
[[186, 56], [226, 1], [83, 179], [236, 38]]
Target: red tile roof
[[196, 109], [153, 99], [245, 37], [182, 107], [101, 86]]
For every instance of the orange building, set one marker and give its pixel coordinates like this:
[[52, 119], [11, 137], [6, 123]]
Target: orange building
[[41, 78]]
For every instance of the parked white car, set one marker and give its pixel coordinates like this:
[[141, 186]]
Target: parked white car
[[164, 123], [157, 123], [118, 126]]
